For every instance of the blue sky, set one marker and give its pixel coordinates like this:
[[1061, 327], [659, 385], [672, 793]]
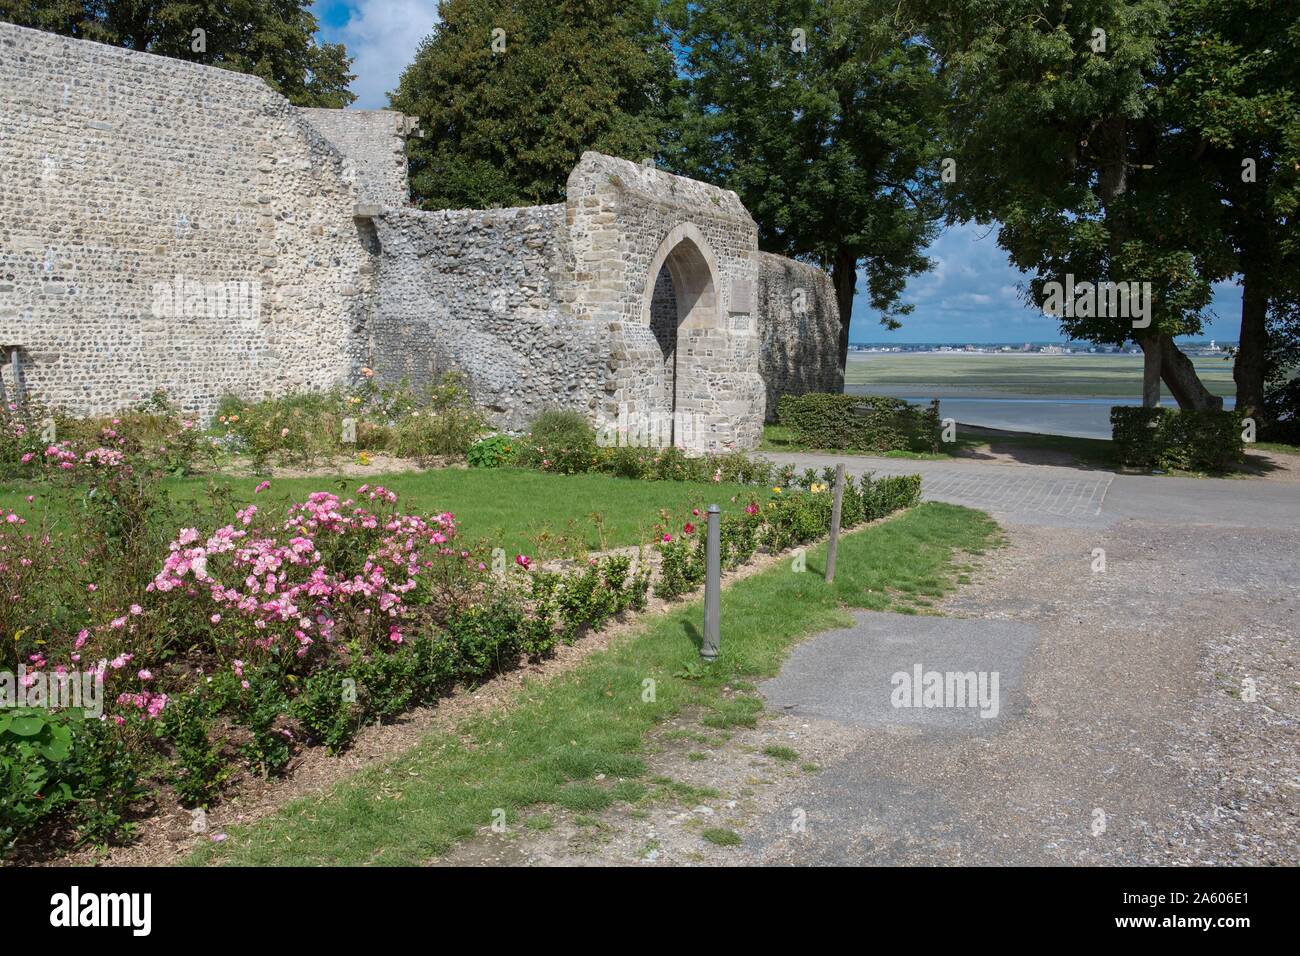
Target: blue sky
[[971, 295]]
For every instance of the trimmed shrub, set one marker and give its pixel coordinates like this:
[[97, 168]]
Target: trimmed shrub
[[1171, 438], [785, 520], [559, 441], [860, 422]]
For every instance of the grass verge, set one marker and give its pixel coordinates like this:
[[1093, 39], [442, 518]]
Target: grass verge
[[549, 744]]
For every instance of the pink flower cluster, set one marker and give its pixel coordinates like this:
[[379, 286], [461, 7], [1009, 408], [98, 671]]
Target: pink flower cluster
[[330, 562]]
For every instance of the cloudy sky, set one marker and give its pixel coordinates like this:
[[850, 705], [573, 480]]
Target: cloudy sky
[[971, 295]]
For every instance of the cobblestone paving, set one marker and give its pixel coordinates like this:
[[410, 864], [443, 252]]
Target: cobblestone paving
[[1015, 490]]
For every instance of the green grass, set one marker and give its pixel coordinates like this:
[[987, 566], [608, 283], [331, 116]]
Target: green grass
[[778, 752], [1034, 374], [547, 745], [721, 836], [516, 509]]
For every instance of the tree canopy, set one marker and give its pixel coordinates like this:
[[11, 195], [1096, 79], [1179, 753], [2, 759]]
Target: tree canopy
[[823, 117], [272, 39], [511, 93]]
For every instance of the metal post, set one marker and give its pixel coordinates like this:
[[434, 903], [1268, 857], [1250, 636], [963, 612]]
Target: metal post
[[833, 544], [712, 586], [16, 371]]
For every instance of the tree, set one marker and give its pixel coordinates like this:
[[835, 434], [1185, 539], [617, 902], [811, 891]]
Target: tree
[[822, 117], [511, 92], [1056, 130], [272, 39], [1230, 84]]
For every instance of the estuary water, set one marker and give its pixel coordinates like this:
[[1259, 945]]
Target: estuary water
[[1048, 415]]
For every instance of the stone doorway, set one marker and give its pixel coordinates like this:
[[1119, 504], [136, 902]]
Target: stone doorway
[[682, 309]]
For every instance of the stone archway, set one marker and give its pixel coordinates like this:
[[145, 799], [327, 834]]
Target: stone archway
[[681, 308]]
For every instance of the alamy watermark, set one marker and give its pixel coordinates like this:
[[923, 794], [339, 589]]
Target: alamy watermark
[[1084, 300], [183, 298], [654, 429], [57, 690], [921, 688]]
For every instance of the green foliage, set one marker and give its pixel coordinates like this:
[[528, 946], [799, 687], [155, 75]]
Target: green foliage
[[260, 713], [785, 520], [199, 768], [491, 452], [326, 710], [559, 441], [505, 128], [1183, 439], [299, 428], [272, 39], [35, 745], [108, 782], [860, 422]]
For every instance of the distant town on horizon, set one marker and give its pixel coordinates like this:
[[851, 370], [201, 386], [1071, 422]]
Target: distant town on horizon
[[1202, 347]]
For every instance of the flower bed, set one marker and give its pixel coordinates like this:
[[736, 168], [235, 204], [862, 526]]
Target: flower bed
[[248, 640], [783, 519]]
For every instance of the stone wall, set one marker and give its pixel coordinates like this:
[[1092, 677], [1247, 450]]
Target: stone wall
[[374, 143], [799, 324], [476, 291], [168, 224]]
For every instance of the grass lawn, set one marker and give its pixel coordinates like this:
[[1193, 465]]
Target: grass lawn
[[548, 745], [520, 510], [969, 441]]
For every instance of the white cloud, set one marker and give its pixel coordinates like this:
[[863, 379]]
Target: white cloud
[[382, 37]]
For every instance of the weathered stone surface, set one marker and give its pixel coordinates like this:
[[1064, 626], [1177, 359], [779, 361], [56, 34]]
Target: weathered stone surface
[[169, 224]]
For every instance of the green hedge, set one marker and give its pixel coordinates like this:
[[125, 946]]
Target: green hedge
[[785, 520], [860, 422], [1171, 438]]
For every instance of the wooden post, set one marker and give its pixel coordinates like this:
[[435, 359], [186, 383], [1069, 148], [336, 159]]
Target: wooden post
[[833, 544]]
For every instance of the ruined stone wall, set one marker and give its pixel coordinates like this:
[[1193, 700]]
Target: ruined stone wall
[[478, 291], [374, 143], [122, 171], [165, 224], [799, 325], [624, 219]]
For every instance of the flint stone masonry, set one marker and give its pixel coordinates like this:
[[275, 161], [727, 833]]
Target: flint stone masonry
[[374, 143], [132, 184], [167, 224]]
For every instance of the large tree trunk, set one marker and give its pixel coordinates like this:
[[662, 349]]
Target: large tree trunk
[[1151, 357], [1249, 368], [844, 274], [1181, 378]]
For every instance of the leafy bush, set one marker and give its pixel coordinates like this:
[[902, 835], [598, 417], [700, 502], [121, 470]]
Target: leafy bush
[[491, 452], [325, 707], [198, 767], [303, 427], [35, 745], [860, 422], [1182, 439], [559, 441]]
